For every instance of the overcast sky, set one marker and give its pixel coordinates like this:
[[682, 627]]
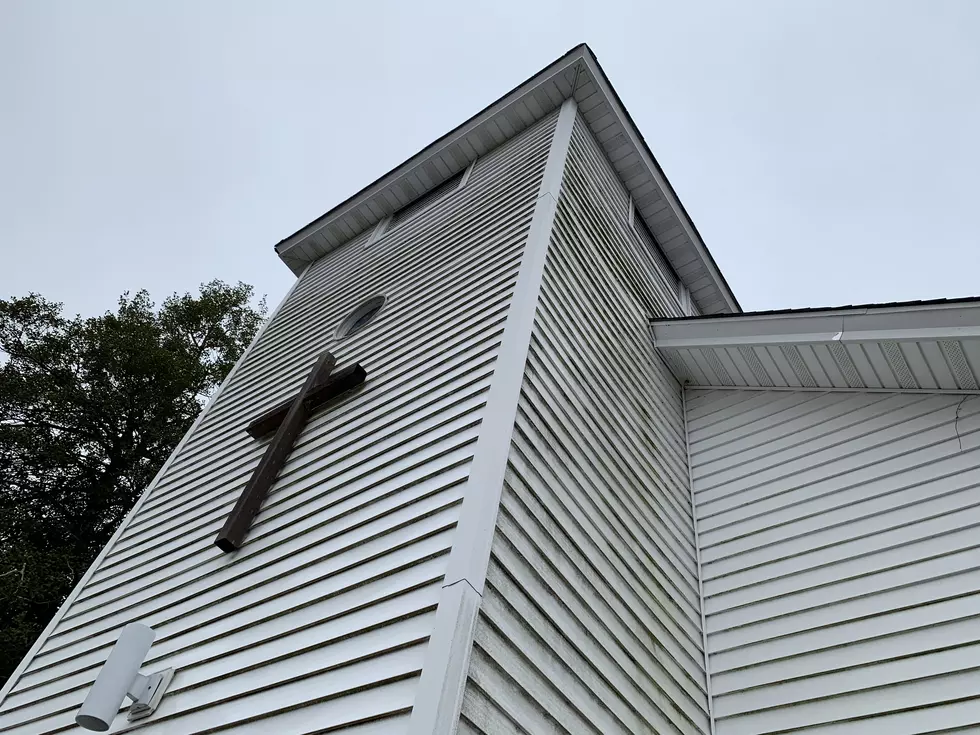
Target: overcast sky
[[828, 151]]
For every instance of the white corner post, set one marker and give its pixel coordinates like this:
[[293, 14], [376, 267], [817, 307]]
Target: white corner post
[[440, 693], [697, 560]]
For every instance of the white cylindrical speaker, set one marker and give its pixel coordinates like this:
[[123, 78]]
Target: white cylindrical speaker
[[117, 676]]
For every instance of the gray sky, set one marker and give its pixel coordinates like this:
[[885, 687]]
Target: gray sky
[[828, 151]]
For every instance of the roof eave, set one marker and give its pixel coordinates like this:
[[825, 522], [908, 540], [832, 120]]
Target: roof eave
[[916, 346], [948, 320], [665, 186], [288, 245], [364, 209]]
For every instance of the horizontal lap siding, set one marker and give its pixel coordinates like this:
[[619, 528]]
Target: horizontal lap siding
[[840, 539], [321, 620], [590, 621]]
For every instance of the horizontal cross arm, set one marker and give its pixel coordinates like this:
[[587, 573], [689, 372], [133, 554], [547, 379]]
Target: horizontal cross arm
[[339, 382]]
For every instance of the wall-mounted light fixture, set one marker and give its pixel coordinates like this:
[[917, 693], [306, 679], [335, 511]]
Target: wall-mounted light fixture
[[120, 678]]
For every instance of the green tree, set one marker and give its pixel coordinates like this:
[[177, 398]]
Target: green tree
[[90, 408]]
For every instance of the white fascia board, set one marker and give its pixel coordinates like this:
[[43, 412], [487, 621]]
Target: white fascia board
[[899, 324]]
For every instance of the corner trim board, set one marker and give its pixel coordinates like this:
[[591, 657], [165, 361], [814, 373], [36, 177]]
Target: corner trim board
[[697, 554], [482, 495], [440, 691], [438, 701]]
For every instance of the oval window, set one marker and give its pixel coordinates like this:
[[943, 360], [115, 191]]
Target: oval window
[[360, 317]]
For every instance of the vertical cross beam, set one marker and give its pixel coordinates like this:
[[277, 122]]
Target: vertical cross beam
[[288, 420]]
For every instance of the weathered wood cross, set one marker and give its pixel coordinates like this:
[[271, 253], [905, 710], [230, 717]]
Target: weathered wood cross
[[287, 420]]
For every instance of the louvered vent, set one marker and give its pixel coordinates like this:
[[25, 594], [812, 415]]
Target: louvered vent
[[961, 368], [426, 200], [658, 257]]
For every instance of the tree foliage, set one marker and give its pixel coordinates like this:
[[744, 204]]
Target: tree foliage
[[90, 408]]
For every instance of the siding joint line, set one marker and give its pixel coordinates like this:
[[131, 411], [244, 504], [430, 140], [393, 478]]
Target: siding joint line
[[697, 554]]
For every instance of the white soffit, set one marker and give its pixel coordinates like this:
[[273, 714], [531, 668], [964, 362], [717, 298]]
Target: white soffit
[[911, 346], [576, 73]]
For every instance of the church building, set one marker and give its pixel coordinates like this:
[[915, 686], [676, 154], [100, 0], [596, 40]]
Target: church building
[[509, 458]]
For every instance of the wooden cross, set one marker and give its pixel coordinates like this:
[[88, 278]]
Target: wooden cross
[[287, 420]]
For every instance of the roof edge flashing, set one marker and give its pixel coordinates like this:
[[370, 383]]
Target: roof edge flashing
[[953, 321]]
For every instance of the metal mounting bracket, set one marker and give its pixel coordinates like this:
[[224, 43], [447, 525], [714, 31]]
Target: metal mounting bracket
[[146, 693]]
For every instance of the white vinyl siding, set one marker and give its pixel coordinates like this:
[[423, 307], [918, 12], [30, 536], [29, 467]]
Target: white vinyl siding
[[320, 622], [590, 621], [840, 542]]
